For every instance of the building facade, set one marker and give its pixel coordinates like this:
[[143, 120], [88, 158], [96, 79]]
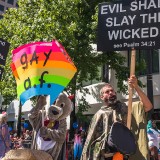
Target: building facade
[[5, 4], [13, 111]]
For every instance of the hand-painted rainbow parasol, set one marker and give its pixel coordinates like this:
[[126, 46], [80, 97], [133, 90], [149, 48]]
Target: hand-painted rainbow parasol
[[41, 68]]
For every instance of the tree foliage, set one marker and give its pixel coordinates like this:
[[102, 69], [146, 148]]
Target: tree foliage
[[72, 23]]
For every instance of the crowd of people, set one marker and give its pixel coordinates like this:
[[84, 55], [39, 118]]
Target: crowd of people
[[95, 144], [154, 140], [9, 139], [24, 141]]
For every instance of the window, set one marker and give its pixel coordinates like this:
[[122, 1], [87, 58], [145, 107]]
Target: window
[[93, 80], [11, 2], [1, 8], [17, 5], [144, 56], [155, 59]]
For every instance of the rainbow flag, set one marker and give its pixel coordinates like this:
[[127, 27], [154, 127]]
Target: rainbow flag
[[41, 68]]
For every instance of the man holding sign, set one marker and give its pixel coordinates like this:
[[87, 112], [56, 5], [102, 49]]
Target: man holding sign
[[97, 145], [124, 25]]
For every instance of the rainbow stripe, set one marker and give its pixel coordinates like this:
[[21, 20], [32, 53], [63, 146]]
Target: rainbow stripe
[[41, 68]]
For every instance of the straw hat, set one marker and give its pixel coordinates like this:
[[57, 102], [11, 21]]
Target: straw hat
[[27, 154]]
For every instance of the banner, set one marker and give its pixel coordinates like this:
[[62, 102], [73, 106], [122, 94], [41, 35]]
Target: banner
[[1, 72], [41, 68], [129, 24], [4, 48]]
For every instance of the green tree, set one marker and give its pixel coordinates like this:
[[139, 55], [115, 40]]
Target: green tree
[[72, 23]]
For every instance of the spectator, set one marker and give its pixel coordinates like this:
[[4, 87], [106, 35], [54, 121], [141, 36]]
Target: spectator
[[5, 141], [79, 139], [27, 135], [154, 139]]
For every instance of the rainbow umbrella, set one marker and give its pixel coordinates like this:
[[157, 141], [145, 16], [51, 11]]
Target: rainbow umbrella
[[41, 68]]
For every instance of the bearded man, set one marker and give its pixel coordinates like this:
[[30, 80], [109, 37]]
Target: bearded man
[[96, 147]]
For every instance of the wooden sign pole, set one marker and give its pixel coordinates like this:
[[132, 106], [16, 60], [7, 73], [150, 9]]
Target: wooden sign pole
[[132, 72]]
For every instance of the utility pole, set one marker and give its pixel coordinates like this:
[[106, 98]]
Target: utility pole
[[19, 120], [150, 81], [73, 118]]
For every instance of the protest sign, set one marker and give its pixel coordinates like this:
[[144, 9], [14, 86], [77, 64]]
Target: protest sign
[[4, 48], [41, 68], [129, 24], [1, 72]]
